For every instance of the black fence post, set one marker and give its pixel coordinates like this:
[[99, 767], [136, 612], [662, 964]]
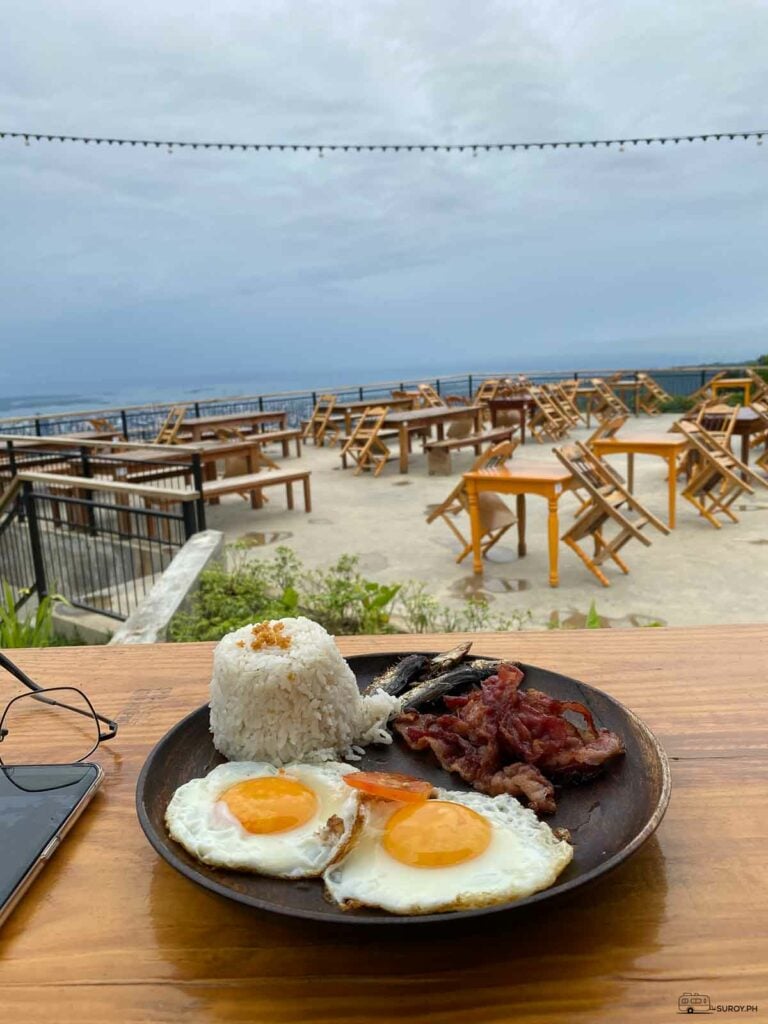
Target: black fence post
[[469, 384], [87, 471], [34, 541], [437, 385], [703, 377], [197, 410], [38, 429], [190, 520], [11, 458], [360, 393], [197, 478], [124, 422], [261, 403]]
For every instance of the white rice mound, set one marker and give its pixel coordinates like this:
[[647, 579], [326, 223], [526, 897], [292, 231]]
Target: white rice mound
[[296, 704]]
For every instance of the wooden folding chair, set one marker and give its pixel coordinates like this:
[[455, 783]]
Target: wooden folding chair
[[606, 403], [726, 416], [759, 385], [545, 422], [610, 504], [322, 422], [488, 389], [171, 425], [607, 428], [366, 444], [652, 395], [718, 478], [429, 397], [705, 391], [102, 424], [495, 515], [565, 391]]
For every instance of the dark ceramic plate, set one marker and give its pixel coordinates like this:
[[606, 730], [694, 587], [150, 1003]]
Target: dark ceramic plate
[[609, 818]]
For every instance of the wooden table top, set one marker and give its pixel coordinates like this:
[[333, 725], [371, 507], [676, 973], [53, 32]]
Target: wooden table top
[[430, 414], [110, 933], [639, 442], [266, 416], [373, 402], [515, 472]]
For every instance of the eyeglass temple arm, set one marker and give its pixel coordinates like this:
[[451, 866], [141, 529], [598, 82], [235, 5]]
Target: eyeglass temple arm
[[22, 676]]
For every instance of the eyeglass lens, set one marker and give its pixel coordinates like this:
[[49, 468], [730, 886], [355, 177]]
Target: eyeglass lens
[[39, 731]]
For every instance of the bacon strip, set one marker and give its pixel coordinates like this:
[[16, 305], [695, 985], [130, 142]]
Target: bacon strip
[[501, 739]]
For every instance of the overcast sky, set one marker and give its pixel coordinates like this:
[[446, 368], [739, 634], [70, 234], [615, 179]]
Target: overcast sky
[[130, 267]]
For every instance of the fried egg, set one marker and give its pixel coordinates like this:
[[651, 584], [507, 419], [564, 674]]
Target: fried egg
[[456, 851], [288, 822]]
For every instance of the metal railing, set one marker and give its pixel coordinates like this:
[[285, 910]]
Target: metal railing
[[141, 422], [101, 543]]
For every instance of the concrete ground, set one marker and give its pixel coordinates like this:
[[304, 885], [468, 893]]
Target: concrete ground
[[694, 576]]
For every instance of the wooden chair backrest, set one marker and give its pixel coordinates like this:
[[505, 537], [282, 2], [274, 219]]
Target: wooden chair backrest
[[608, 428], [714, 454], [705, 390], [100, 423], [726, 415], [430, 397], [171, 425], [488, 389]]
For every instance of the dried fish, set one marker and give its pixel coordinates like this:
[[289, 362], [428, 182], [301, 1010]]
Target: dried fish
[[400, 675], [449, 659], [431, 689]]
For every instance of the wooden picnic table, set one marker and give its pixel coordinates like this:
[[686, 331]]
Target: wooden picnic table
[[351, 410], [666, 447], [196, 427], [541, 478], [110, 933], [406, 421]]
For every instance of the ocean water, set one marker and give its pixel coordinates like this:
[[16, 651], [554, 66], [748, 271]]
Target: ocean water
[[106, 396]]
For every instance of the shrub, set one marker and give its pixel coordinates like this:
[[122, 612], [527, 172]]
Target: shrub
[[35, 630], [340, 598], [678, 403]]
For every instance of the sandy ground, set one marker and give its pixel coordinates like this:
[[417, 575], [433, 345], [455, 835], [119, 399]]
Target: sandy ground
[[696, 575]]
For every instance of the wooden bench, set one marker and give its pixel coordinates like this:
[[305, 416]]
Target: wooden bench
[[439, 452], [254, 484], [282, 436]]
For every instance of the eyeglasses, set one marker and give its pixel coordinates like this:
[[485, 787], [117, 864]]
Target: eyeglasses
[[49, 725]]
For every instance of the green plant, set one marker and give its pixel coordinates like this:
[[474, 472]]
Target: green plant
[[678, 403], [421, 612], [34, 630], [593, 620], [340, 598]]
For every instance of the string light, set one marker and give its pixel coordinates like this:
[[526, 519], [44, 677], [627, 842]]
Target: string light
[[320, 149]]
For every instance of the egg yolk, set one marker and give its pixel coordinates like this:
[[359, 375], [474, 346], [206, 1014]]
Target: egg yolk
[[436, 834], [274, 803]]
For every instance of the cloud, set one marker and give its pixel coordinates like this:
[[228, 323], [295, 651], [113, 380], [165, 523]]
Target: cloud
[[117, 257]]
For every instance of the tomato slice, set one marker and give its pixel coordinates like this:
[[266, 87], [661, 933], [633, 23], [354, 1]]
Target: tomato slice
[[391, 786]]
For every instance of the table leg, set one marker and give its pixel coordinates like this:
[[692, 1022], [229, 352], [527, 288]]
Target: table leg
[[630, 471], [553, 530], [523, 413], [521, 548], [474, 522], [209, 473], [492, 411], [672, 461], [403, 438], [440, 431], [745, 449], [477, 419]]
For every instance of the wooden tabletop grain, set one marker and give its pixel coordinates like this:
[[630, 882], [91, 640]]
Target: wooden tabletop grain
[[110, 933]]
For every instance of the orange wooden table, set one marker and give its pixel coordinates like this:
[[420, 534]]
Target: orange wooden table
[[733, 384], [666, 447], [110, 934], [541, 478]]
